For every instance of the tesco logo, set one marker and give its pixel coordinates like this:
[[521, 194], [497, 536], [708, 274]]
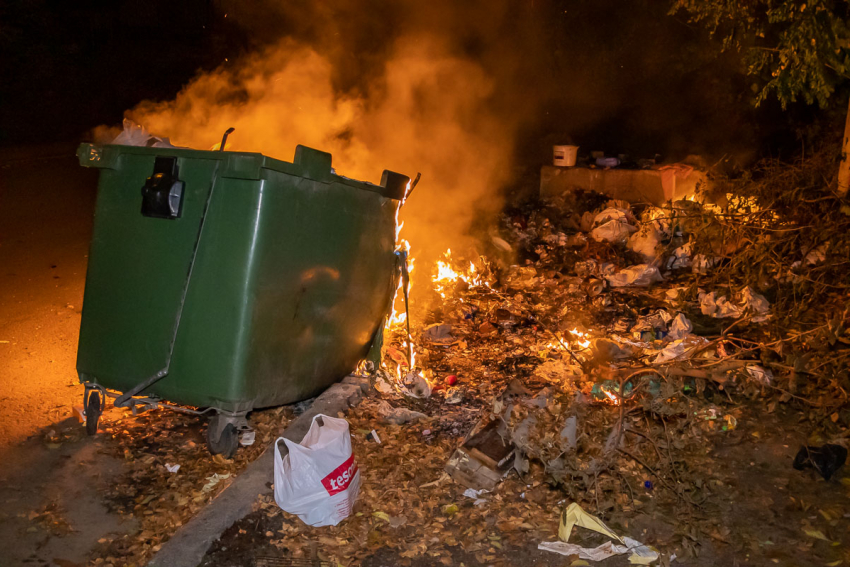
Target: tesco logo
[[339, 479]]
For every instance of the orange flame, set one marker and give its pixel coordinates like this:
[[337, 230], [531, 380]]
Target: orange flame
[[446, 274]]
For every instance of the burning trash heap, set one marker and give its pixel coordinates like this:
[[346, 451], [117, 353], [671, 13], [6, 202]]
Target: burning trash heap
[[592, 344]]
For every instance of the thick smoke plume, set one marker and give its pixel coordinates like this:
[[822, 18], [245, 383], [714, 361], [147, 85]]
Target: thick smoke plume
[[421, 97]]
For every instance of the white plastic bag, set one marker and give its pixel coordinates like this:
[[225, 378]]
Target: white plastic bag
[[136, 135], [318, 480], [639, 275]]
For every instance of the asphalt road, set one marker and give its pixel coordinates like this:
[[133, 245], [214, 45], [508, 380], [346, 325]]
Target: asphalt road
[[46, 209]]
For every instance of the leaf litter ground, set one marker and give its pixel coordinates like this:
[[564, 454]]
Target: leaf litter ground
[[689, 453]]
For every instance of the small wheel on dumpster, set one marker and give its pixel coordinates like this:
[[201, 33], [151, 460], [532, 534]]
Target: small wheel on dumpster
[[93, 411], [226, 443]]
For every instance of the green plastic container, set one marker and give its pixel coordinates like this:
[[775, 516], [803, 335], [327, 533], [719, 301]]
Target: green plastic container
[[232, 280]]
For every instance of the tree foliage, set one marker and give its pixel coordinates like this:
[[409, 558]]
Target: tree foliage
[[799, 49]]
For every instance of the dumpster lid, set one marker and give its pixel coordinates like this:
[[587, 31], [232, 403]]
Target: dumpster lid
[[308, 163]]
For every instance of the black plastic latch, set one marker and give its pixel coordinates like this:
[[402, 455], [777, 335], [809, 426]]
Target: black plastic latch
[[162, 194]]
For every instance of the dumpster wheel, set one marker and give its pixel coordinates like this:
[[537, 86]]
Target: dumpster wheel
[[93, 409], [222, 440]]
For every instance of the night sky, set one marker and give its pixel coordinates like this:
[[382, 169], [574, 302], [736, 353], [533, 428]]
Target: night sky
[[622, 77]]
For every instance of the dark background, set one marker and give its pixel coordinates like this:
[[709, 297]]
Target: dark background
[[633, 79]]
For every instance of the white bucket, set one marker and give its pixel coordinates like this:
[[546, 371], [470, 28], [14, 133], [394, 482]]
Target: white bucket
[[564, 156]]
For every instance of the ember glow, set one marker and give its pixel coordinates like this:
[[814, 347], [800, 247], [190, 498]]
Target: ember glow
[[581, 339], [614, 399]]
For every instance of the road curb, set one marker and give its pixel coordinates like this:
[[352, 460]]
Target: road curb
[[189, 544]]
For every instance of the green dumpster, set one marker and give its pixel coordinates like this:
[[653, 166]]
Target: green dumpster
[[230, 281]]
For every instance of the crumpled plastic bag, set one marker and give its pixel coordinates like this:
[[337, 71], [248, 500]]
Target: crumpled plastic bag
[[415, 385], [717, 307], [680, 257], [680, 328], [613, 225], [751, 302], [438, 332], [702, 263], [613, 213], [613, 231], [760, 374], [660, 219], [398, 416], [639, 275], [640, 554], [136, 135], [645, 242], [679, 349], [756, 304]]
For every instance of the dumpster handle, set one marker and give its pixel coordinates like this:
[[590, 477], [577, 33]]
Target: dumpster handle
[[125, 399], [228, 132]]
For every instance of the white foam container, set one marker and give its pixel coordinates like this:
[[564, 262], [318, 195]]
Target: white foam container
[[564, 156]]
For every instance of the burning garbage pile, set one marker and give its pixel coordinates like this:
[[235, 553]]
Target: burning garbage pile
[[601, 341]]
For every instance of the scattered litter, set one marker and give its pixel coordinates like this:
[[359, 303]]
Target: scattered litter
[[718, 307], [680, 258], [438, 333], [501, 244], [475, 494], [483, 460], [760, 374], [398, 416], [454, 396], [415, 385], [174, 469], [825, 460], [135, 135], [680, 328], [373, 436], [679, 349], [613, 231], [246, 438], [80, 414], [641, 275], [573, 515], [756, 304], [640, 554], [645, 242], [214, 479], [569, 432]]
